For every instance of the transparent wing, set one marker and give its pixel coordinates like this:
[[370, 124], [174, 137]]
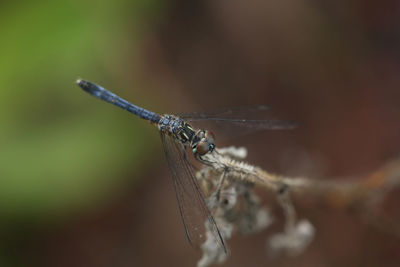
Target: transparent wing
[[191, 201], [238, 120], [233, 112], [253, 124]]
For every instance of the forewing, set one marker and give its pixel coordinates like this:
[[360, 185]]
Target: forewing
[[232, 112], [191, 201], [254, 124], [238, 121]]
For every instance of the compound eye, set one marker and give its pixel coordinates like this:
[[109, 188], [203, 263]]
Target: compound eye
[[211, 147], [202, 148], [210, 137], [210, 140]]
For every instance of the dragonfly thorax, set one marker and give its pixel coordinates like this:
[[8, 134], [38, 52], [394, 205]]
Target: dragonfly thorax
[[176, 127], [201, 141]]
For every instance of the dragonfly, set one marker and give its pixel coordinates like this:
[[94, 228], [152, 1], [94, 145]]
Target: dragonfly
[[178, 138]]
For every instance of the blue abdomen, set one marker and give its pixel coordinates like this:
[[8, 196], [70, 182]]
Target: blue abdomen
[[103, 94]]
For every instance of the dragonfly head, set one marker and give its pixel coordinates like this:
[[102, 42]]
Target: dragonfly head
[[205, 143]]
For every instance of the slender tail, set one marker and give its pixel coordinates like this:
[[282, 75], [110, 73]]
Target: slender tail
[[103, 94]]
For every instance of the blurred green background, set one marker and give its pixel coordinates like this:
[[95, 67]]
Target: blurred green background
[[60, 148], [62, 151], [83, 183]]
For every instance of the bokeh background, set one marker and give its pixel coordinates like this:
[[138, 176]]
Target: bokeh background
[[83, 183]]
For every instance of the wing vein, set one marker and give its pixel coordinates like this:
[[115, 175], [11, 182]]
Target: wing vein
[[190, 197]]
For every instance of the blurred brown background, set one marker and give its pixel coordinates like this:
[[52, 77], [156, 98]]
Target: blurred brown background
[[83, 183]]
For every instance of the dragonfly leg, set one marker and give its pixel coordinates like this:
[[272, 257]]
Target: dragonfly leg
[[220, 185], [206, 162]]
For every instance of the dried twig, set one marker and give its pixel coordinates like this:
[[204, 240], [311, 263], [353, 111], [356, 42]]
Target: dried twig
[[228, 181]]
